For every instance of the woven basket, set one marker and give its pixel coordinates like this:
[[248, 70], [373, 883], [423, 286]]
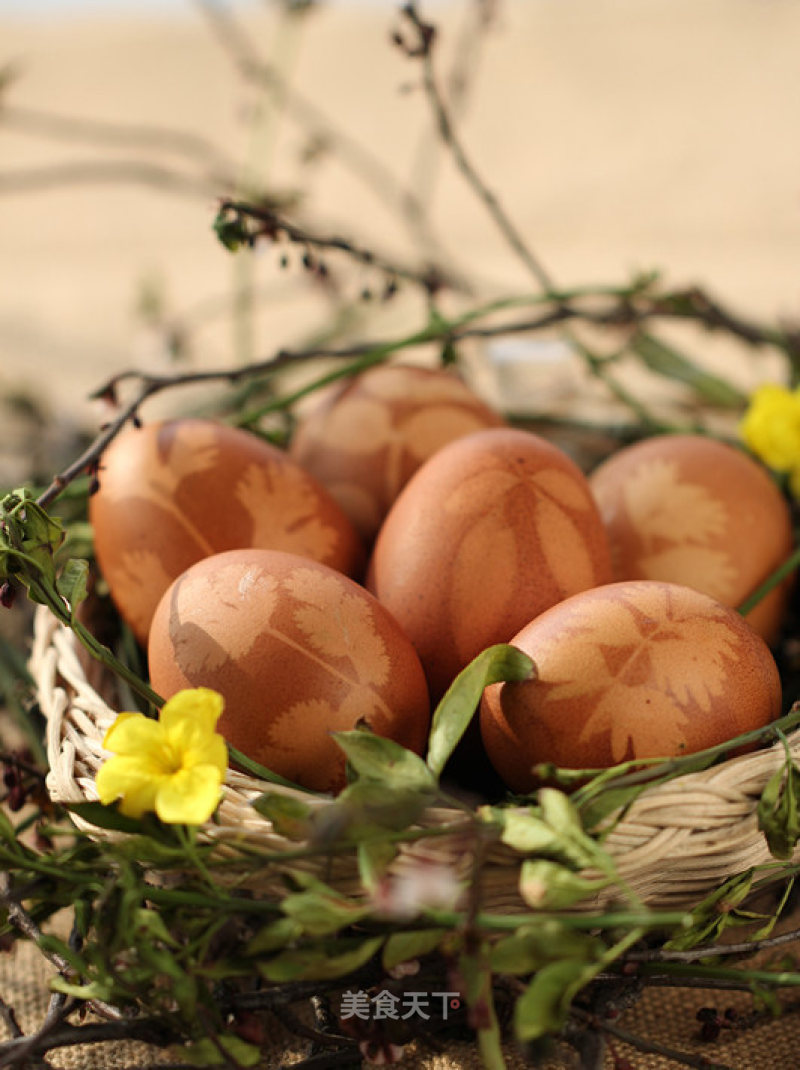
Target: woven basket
[[676, 843]]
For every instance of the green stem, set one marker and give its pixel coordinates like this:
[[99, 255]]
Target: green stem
[[776, 979], [773, 580], [657, 771], [614, 920]]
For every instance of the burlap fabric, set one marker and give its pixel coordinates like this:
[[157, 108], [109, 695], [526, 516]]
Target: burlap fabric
[[666, 1017]]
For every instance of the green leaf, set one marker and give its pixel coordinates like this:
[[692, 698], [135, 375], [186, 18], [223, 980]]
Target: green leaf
[[457, 707], [778, 816], [403, 947], [525, 831], [382, 759], [532, 947], [206, 1052], [150, 926], [668, 362], [714, 913], [72, 583], [106, 817], [610, 801], [102, 990], [231, 230], [273, 937], [544, 1005], [290, 816], [335, 959], [563, 817], [374, 858], [366, 809], [321, 914], [546, 885]]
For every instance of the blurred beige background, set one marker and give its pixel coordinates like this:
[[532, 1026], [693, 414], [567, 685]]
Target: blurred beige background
[[620, 135]]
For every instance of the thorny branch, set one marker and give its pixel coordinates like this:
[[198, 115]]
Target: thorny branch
[[269, 224]]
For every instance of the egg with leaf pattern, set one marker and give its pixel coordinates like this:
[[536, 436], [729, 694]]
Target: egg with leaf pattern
[[364, 438], [630, 670], [693, 510], [173, 492], [297, 651], [491, 531]]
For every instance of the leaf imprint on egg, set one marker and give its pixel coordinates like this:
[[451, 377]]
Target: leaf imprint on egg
[[176, 452], [136, 574], [219, 636], [304, 730], [686, 657], [676, 521], [338, 624], [295, 526]]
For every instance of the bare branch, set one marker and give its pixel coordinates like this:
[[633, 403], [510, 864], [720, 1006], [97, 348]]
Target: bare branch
[[423, 50]]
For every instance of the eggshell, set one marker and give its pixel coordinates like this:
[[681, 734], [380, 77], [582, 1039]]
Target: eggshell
[[372, 432], [297, 650], [626, 671], [491, 531], [176, 491], [690, 509]]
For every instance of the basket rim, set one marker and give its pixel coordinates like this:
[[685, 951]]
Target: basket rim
[[676, 842]]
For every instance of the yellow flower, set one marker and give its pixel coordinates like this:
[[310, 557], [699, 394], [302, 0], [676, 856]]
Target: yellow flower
[[771, 427], [174, 766]]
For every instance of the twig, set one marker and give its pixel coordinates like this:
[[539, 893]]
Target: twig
[[28, 1045], [424, 50], [350, 152], [750, 947], [9, 1016], [273, 226], [621, 307], [149, 1031], [294, 1025], [82, 172], [466, 52], [130, 135], [651, 1047], [23, 922]]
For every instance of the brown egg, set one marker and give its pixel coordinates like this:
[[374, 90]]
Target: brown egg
[[174, 492], [371, 433], [690, 509], [626, 671], [492, 530], [297, 650]]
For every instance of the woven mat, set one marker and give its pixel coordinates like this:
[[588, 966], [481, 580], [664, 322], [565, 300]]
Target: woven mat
[[663, 1016]]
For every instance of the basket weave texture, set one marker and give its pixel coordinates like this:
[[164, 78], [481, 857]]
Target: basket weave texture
[[675, 844]]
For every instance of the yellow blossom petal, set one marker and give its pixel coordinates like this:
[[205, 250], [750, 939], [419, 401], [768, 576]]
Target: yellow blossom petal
[[174, 766], [130, 779], [189, 797], [771, 426], [132, 733], [194, 705]]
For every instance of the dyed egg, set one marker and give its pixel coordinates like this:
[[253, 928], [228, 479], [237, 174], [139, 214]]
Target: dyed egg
[[690, 509], [371, 433], [298, 651], [626, 671], [491, 531], [174, 492]]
